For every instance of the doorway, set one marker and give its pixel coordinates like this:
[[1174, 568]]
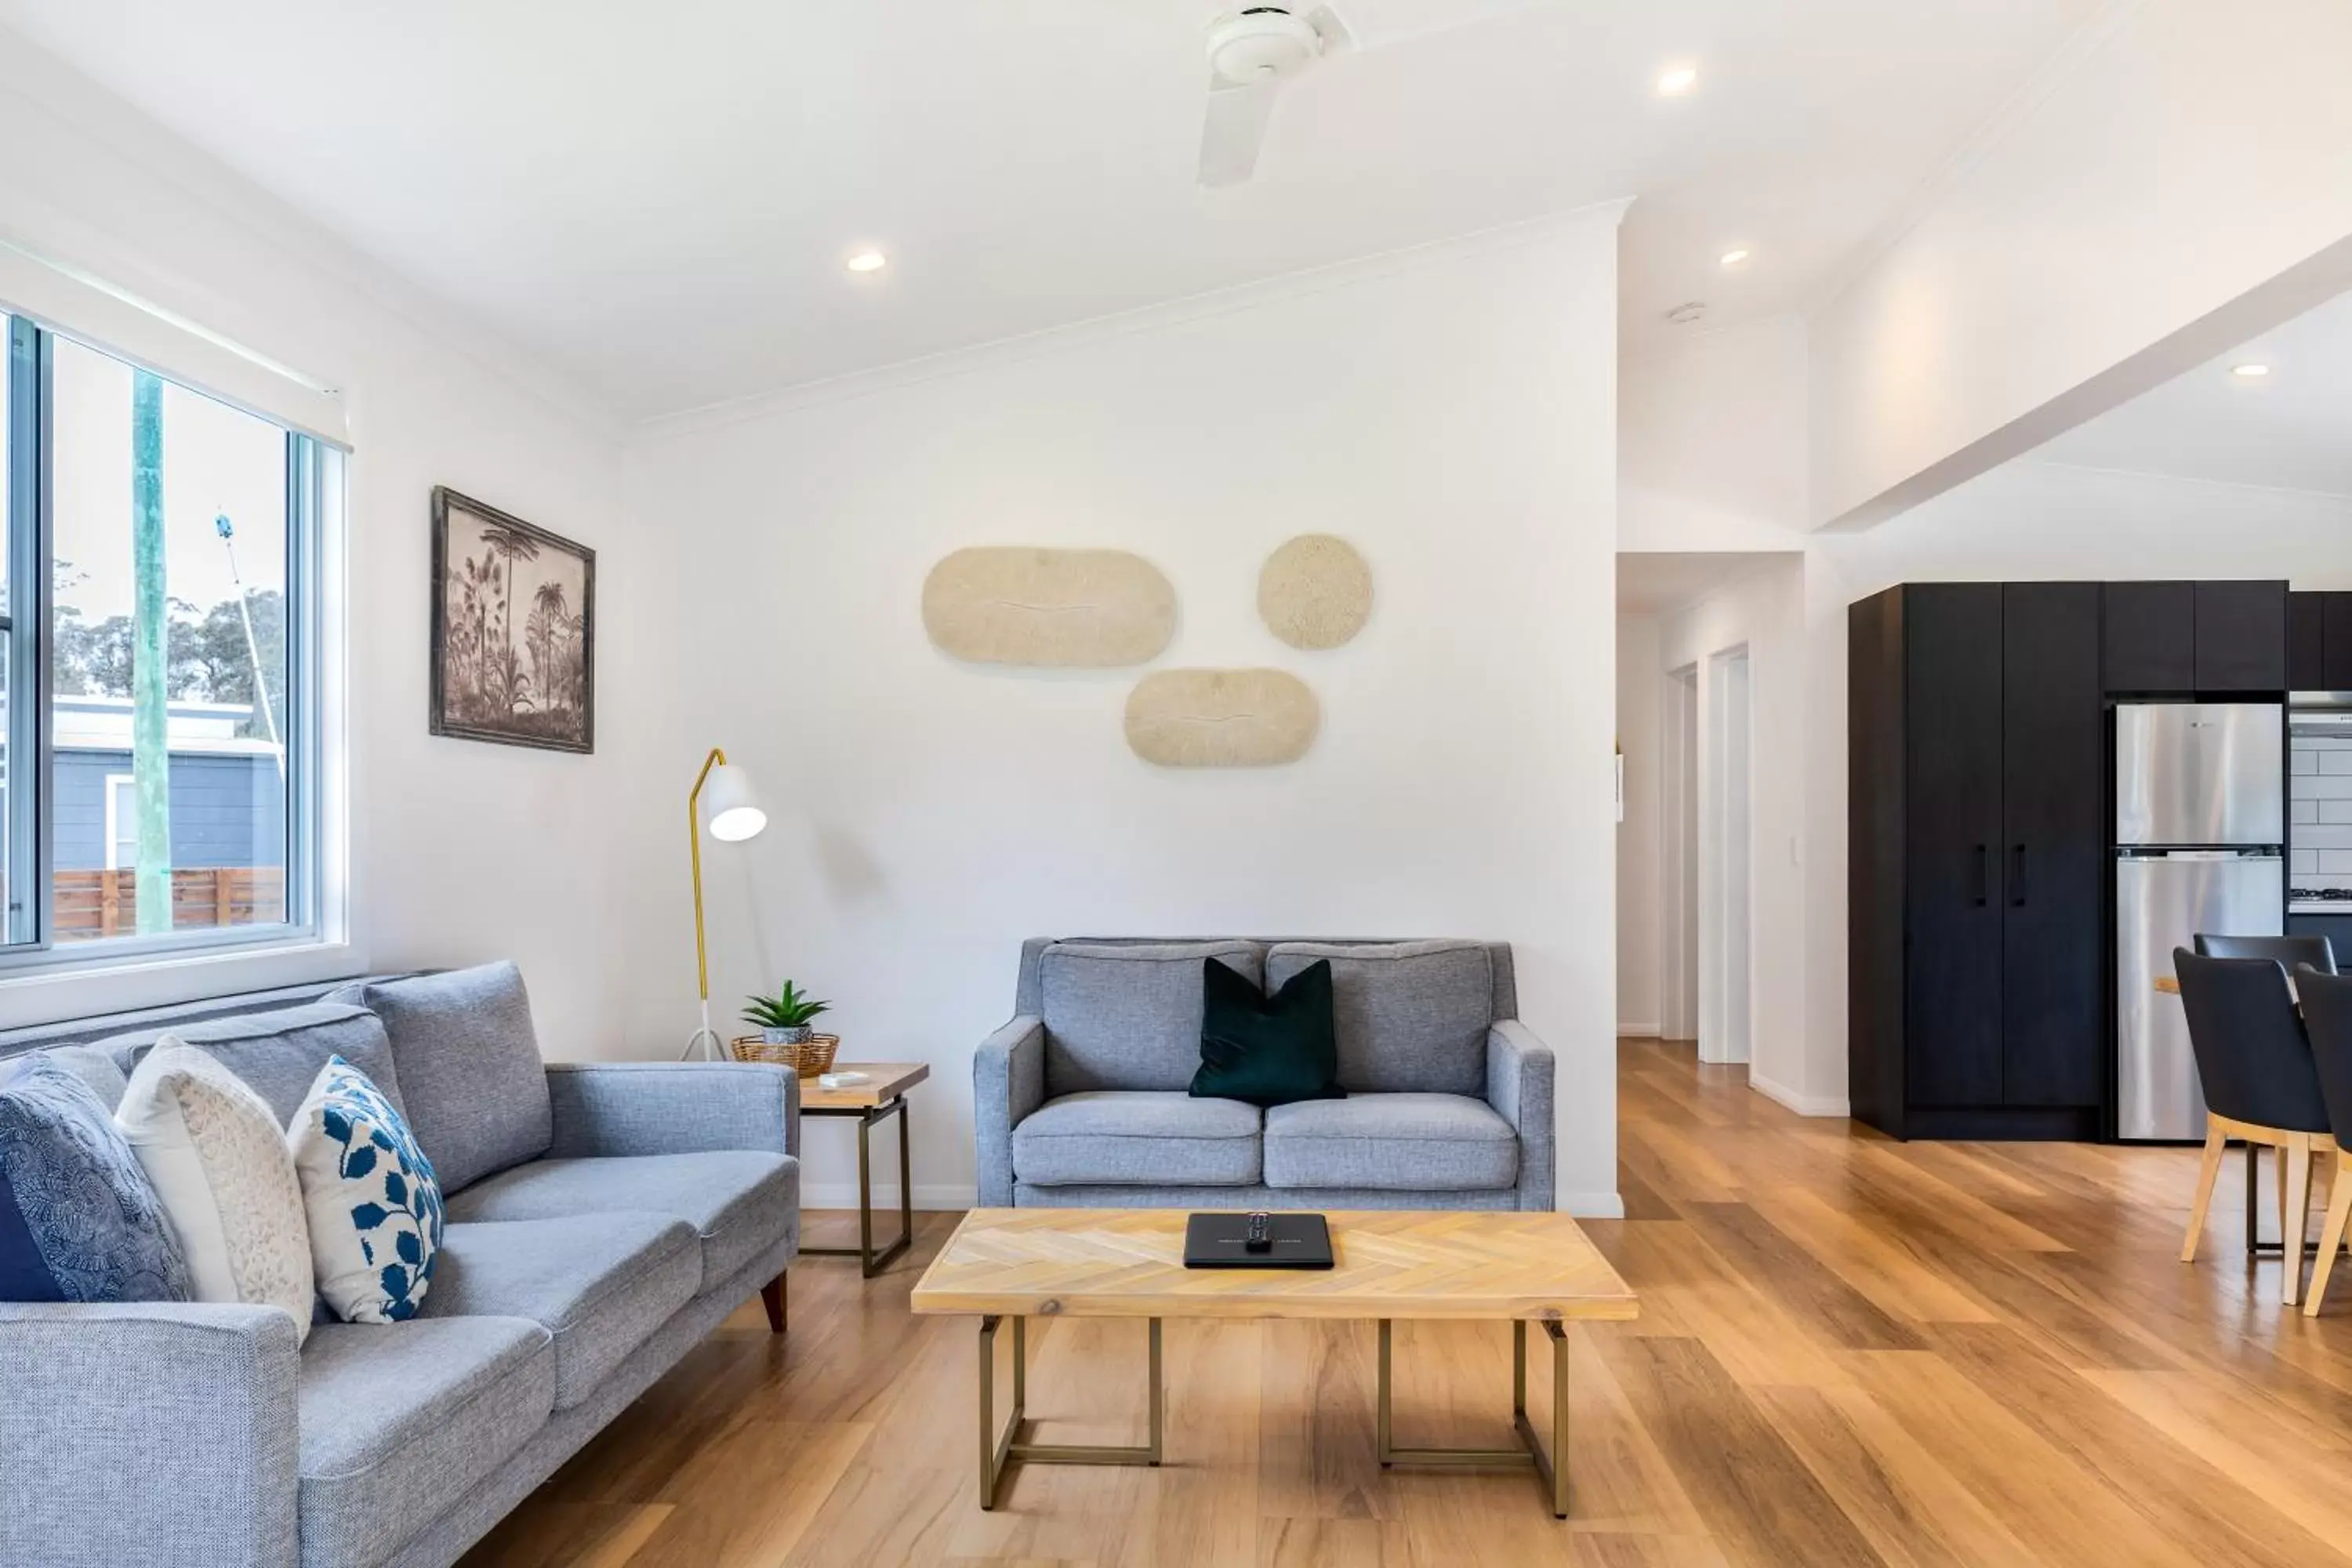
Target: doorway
[[1726, 835], [1678, 853]]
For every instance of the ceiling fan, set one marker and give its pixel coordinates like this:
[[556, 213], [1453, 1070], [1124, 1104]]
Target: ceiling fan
[[1252, 51]]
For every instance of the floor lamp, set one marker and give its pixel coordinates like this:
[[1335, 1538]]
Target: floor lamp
[[735, 815]]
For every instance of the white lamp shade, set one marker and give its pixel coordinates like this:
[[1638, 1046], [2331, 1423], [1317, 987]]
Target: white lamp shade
[[733, 804]]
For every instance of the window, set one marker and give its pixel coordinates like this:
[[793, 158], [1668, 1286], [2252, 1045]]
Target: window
[[157, 603]]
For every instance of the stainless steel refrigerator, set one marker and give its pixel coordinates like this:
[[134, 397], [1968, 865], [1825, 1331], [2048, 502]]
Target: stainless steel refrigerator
[[2201, 826]]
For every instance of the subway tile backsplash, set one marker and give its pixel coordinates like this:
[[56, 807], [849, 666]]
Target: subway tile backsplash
[[2319, 811]]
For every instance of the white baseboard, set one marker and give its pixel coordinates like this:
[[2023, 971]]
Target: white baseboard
[[1593, 1206], [1802, 1104], [1638, 1031], [927, 1196]]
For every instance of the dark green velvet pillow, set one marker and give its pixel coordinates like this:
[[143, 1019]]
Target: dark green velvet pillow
[[1268, 1050]]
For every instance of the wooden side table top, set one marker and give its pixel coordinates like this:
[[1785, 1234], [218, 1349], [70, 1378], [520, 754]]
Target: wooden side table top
[[1391, 1263], [885, 1081]]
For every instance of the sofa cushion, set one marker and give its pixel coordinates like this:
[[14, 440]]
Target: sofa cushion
[[1144, 1138], [471, 1080], [399, 1420], [1128, 1014], [1391, 1143], [221, 1164], [374, 1207], [279, 1055], [1266, 1051], [95, 1068], [739, 1202], [79, 1221], [600, 1284], [1412, 1016]]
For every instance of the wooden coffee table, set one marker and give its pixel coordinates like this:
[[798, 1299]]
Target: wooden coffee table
[[1390, 1264]]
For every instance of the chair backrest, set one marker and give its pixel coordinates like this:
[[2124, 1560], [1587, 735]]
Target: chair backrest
[[2252, 1054], [2290, 952], [2327, 1016]]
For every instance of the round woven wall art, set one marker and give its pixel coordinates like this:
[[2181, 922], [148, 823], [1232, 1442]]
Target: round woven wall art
[[1315, 591]]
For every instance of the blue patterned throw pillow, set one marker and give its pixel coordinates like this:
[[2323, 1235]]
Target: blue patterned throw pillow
[[79, 1221], [368, 1193]]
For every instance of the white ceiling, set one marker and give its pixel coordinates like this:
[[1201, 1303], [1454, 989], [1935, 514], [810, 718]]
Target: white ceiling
[[657, 199], [2291, 429], [1652, 581]]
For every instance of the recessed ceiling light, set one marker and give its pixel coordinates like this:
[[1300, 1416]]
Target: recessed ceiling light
[[2250, 372], [867, 261], [1677, 80], [1735, 257], [1684, 314]]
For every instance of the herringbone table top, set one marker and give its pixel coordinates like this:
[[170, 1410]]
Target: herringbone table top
[[1390, 1263]]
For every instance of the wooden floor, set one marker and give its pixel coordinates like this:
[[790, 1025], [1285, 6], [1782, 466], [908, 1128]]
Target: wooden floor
[[1852, 1351]]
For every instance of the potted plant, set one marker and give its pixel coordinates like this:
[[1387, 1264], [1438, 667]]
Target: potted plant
[[784, 1018]]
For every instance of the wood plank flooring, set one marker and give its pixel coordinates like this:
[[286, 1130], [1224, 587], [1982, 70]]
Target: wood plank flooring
[[1852, 1351]]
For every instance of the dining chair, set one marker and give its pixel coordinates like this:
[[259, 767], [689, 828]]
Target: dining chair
[[2293, 952], [2289, 952], [2327, 1016], [2254, 1063]]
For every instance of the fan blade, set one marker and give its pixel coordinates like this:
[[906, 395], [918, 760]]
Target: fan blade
[[1234, 128], [1332, 29]]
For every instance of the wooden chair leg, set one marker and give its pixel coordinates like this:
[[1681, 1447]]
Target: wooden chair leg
[[2339, 1213], [2294, 1220], [771, 1296], [2208, 1171]]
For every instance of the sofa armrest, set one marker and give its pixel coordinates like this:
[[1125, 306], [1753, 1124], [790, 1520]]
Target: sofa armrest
[[149, 1433], [673, 1107], [1008, 1082], [1519, 1085]]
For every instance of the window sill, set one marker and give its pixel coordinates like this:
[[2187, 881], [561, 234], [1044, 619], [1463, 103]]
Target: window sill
[[52, 993]]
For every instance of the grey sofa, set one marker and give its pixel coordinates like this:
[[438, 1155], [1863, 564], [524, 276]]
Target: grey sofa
[[1080, 1100], [603, 1220]]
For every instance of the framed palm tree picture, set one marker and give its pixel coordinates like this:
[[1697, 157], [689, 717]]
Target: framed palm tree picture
[[514, 629]]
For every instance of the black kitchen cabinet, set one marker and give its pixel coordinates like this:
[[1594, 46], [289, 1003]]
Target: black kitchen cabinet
[[2307, 661], [1977, 860], [1952, 843], [2054, 841], [2335, 643], [2149, 637], [2337, 928], [2241, 636]]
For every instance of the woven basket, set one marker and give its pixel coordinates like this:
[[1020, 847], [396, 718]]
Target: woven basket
[[810, 1058]]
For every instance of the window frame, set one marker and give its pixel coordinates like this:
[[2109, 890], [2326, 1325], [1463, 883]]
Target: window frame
[[28, 944]]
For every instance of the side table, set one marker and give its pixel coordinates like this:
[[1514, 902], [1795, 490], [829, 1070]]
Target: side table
[[882, 1095]]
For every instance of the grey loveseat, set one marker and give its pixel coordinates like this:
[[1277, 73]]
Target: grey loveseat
[[1080, 1100], [603, 1220]]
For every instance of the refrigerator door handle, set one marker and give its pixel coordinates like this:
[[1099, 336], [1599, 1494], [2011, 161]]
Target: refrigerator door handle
[[2016, 875]]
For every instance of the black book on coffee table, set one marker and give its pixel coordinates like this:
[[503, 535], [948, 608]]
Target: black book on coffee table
[[1285, 1241]]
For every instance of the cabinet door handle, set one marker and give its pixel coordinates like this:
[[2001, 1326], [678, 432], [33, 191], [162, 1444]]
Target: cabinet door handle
[[1984, 873], [2016, 875]]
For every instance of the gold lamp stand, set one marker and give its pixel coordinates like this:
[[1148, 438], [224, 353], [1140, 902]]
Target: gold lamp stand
[[735, 815]]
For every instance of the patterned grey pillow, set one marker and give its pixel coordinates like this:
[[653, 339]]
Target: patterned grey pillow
[[79, 1219]]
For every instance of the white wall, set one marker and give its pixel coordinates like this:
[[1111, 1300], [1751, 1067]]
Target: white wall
[[1711, 445], [1451, 411], [2130, 216], [1640, 954], [459, 851]]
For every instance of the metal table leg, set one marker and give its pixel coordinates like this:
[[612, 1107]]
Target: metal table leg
[[1550, 1470], [869, 1260], [999, 1453]]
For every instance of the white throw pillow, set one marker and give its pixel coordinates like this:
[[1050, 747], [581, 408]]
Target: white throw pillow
[[373, 1204], [219, 1162]]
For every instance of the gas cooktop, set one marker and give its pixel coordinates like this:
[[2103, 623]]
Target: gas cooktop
[[2319, 895]]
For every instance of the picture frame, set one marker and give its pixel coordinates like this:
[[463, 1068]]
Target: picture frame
[[513, 643]]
